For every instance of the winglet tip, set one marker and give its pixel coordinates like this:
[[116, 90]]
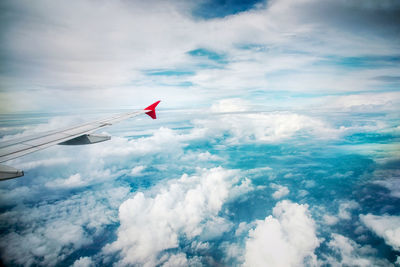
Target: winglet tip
[[151, 110]]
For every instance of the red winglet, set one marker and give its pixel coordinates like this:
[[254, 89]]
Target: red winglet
[[151, 110]]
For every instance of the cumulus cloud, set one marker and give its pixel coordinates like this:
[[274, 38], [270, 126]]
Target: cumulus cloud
[[265, 127], [385, 226], [280, 192], [349, 253], [288, 238], [187, 207]]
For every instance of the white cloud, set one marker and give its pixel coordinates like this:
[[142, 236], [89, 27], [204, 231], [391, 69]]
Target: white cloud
[[230, 105], [100, 51], [243, 228], [49, 232], [83, 262], [288, 238], [200, 156], [367, 102], [15, 195], [186, 207], [385, 226], [178, 260], [345, 209], [280, 192], [47, 245], [74, 180], [265, 127], [330, 219], [120, 156], [233, 253], [137, 170], [99, 163], [392, 184], [349, 253]]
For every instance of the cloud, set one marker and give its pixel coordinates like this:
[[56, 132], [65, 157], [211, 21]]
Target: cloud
[[83, 262], [288, 238], [137, 170], [386, 227], [349, 253], [74, 180], [107, 161], [176, 261], [345, 208], [392, 184], [330, 219], [83, 47], [61, 169], [184, 208], [230, 105], [50, 231], [366, 102], [280, 192], [46, 245], [200, 157], [268, 127]]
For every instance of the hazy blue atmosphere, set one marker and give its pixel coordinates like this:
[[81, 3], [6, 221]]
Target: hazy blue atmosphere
[[277, 141]]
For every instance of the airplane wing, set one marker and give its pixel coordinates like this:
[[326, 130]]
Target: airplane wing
[[76, 135]]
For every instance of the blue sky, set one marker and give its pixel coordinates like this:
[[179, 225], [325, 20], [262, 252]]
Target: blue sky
[[276, 144]]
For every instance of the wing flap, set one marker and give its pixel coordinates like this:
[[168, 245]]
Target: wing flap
[[47, 139], [7, 172], [86, 139]]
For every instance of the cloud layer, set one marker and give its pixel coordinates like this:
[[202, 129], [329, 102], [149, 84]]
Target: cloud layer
[[112, 53]]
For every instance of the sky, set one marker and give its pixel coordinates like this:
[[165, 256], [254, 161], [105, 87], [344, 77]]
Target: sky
[[60, 55], [277, 141]]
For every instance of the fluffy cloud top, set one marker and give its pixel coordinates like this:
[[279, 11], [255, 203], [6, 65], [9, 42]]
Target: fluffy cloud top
[[280, 192], [266, 127], [288, 238], [186, 208]]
